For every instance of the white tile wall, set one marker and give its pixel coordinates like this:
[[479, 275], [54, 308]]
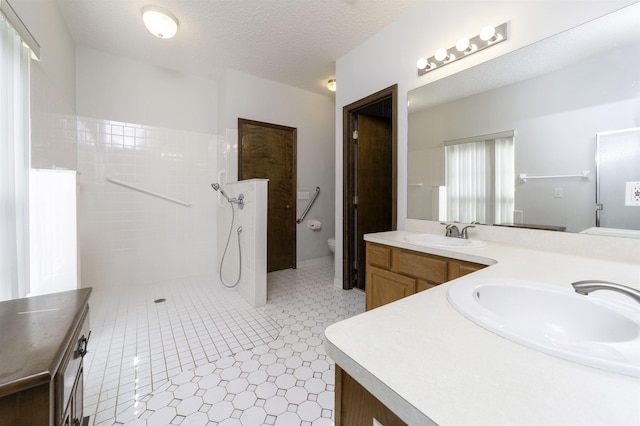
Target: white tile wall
[[127, 237]]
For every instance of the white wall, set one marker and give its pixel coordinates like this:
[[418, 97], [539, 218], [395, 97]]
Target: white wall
[[389, 57], [119, 230], [129, 238], [53, 87], [252, 98], [153, 128], [57, 50], [116, 88]]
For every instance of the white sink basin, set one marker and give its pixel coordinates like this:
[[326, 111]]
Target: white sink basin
[[440, 241], [555, 320]]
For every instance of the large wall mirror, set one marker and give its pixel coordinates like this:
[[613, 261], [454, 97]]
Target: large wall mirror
[[558, 99]]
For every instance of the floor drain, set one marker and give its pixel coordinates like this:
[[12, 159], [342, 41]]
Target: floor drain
[[159, 300]]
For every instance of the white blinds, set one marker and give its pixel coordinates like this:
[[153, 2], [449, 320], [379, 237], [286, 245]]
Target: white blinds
[[466, 182], [14, 163], [504, 169], [480, 179]]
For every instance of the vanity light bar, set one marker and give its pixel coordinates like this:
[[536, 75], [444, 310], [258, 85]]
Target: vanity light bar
[[488, 36]]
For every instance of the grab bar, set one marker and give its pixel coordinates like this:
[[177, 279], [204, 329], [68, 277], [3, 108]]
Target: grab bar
[[146, 191], [584, 175], [309, 205]]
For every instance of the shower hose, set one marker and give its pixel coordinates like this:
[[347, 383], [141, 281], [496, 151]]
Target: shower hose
[[226, 247]]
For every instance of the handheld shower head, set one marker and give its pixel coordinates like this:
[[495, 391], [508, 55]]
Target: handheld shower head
[[218, 188], [239, 201]]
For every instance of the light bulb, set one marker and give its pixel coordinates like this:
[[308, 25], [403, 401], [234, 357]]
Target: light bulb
[[487, 33], [422, 63], [331, 85], [462, 44], [441, 55]]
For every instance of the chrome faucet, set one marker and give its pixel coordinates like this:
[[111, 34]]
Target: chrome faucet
[[587, 286], [451, 230], [464, 233]]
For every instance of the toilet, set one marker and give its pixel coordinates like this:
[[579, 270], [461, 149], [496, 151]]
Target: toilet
[[332, 244]]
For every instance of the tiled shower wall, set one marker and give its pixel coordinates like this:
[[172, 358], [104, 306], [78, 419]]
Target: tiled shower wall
[[128, 237]]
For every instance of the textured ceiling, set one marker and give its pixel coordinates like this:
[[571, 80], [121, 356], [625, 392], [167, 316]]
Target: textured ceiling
[[295, 42]]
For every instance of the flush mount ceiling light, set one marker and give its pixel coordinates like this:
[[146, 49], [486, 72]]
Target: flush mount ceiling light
[[331, 85], [160, 22], [464, 47]]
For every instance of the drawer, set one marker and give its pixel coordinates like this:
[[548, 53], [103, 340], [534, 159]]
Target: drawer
[[432, 269], [71, 365], [379, 256]]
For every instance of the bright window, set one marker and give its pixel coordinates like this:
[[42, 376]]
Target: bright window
[[480, 179], [14, 163]]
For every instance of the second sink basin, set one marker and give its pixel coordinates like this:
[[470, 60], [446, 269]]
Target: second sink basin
[[555, 320], [440, 241]]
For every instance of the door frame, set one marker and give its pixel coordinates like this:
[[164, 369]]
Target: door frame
[[348, 190]]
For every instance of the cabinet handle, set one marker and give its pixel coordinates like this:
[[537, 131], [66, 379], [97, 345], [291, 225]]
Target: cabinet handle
[[82, 350]]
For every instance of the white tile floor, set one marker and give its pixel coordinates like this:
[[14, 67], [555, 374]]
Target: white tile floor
[[205, 357]]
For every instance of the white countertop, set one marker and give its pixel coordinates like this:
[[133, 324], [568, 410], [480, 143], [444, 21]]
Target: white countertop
[[431, 365]]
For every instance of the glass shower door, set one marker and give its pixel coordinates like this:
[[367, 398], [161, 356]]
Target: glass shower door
[[618, 179]]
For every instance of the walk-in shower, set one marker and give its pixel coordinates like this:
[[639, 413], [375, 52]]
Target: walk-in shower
[[240, 202]]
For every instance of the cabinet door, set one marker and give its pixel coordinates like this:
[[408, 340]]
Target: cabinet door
[[385, 287], [422, 285], [78, 400], [459, 268], [356, 406]]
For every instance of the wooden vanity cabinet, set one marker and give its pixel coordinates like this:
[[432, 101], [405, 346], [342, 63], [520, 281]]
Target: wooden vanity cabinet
[[356, 406], [70, 379], [393, 273], [44, 340]]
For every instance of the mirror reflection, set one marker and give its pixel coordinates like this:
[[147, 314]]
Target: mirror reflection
[[551, 102]]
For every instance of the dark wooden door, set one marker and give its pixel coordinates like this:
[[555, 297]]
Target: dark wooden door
[[268, 151], [374, 182], [370, 177]]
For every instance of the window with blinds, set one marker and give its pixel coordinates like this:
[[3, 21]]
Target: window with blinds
[[480, 179], [14, 160]]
